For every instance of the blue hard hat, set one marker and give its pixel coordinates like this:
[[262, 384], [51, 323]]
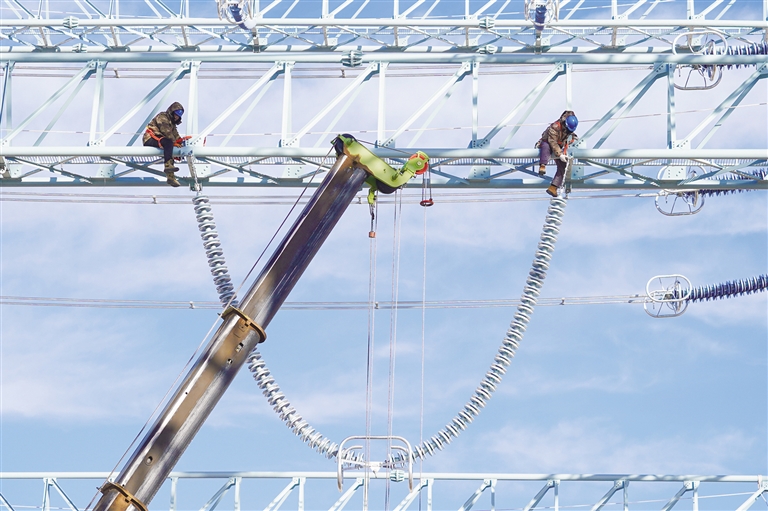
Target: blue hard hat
[[571, 122]]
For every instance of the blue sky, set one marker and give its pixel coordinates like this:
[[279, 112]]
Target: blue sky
[[593, 389]]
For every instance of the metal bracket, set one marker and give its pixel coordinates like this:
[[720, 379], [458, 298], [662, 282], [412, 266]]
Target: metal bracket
[[248, 322], [480, 172], [129, 497], [673, 173], [352, 58], [293, 172], [347, 457], [9, 170], [672, 296]]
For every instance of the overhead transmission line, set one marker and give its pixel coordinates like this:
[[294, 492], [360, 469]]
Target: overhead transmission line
[[106, 303], [437, 128]]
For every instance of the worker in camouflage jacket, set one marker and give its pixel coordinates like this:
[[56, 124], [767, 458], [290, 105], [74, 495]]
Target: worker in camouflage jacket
[[161, 132], [554, 142]]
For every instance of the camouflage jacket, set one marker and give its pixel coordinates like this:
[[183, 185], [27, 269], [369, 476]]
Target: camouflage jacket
[[557, 135], [162, 125]]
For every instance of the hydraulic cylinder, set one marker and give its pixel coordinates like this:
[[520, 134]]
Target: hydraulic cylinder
[[242, 329]]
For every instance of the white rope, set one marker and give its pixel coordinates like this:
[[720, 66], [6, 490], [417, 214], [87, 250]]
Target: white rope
[[397, 221], [372, 258], [423, 327]]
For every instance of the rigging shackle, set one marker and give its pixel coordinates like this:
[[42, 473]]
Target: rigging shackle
[[426, 189], [372, 208]]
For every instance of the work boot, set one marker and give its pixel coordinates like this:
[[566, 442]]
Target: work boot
[[542, 169], [171, 179], [170, 167], [552, 190]]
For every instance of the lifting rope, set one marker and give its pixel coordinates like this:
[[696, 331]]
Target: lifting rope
[[372, 258], [423, 336], [396, 251], [482, 394]]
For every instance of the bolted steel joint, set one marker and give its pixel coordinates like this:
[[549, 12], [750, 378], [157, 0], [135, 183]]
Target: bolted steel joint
[[487, 23], [352, 58], [70, 22]]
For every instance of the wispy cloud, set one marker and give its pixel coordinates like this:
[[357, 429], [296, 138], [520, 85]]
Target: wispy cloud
[[583, 446], [77, 373]]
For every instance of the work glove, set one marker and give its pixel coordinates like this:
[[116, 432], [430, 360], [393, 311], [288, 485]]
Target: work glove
[[181, 141], [563, 158]]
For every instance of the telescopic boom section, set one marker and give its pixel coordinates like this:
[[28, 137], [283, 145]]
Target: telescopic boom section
[[242, 329]]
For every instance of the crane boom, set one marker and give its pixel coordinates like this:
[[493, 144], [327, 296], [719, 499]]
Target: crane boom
[[242, 329]]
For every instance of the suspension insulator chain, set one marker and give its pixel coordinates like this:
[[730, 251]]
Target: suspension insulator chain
[[213, 250], [760, 48], [758, 174], [511, 342], [288, 413], [729, 289], [318, 442]]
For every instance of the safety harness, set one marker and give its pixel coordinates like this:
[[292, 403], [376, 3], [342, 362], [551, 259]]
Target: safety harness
[[177, 143], [152, 134]]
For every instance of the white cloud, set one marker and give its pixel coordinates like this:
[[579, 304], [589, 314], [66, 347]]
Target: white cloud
[[84, 371], [733, 311], [622, 378], [582, 446], [722, 216]]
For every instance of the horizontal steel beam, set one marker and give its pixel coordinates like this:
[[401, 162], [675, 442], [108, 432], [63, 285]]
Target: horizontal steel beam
[[342, 48], [382, 152], [450, 476], [450, 56], [603, 169], [386, 22], [496, 184]]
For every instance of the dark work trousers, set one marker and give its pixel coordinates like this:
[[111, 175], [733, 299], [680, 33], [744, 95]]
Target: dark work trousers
[[545, 153], [167, 146]]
